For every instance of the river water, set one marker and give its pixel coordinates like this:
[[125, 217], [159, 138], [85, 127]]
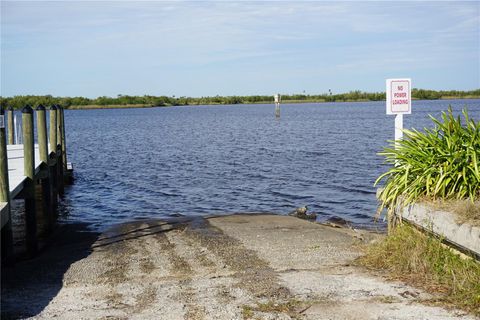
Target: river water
[[202, 160]]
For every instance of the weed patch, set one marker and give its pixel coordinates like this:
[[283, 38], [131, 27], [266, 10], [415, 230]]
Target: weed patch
[[422, 260]]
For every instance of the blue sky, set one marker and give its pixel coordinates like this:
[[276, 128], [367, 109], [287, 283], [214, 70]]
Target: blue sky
[[94, 48]]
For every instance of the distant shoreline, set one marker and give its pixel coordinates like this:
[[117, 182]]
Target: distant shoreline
[[142, 106], [113, 106], [149, 101]]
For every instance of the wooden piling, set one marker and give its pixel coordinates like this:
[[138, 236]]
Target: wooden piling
[[64, 141], [11, 126], [59, 125], [60, 166], [50, 170], [53, 159], [42, 133], [53, 129], [29, 186], [45, 178], [7, 235]]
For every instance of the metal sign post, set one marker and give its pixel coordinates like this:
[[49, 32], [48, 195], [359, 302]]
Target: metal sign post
[[398, 126], [399, 102]]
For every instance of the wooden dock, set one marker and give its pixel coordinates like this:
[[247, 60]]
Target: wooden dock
[[28, 168], [16, 175]]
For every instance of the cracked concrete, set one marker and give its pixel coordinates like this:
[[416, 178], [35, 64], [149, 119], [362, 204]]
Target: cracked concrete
[[229, 267]]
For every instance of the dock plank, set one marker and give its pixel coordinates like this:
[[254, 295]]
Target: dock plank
[[16, 174]]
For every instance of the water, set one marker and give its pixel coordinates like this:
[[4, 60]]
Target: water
[[202, 160]]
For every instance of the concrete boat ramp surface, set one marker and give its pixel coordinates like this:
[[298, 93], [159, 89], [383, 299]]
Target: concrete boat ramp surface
[[228, 267]]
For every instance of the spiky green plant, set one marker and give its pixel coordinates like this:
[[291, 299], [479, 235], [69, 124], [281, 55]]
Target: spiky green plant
[[439, 163]]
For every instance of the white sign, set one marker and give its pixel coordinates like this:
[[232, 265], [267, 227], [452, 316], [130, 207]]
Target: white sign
[[399, 96], [277, 98]]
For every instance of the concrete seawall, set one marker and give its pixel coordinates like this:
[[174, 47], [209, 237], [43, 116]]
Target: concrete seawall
[[462, 235]]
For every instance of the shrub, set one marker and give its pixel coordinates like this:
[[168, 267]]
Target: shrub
[[439, 163]]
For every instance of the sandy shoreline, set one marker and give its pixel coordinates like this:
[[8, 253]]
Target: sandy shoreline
[[229, 267]]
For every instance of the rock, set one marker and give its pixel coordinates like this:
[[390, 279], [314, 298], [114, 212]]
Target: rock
[[338, 221], [299, 211], [302, 213]]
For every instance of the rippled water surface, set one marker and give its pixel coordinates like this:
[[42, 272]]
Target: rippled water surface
[[144, 163]]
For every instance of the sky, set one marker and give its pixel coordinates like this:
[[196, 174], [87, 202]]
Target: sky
[[207, 48]]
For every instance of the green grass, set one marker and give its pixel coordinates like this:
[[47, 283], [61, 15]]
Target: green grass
[[423, 261]]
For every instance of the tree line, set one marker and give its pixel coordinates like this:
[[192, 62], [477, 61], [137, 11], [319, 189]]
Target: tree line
[[18, 102]]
